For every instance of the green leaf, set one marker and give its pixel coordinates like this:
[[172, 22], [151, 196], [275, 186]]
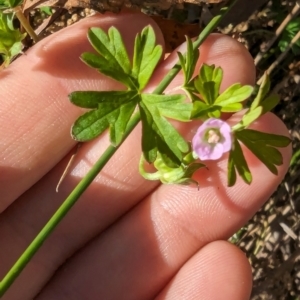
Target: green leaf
[[146, 56], [92, 99], [46, 10], [249, 117], [269, 139], [10, 39], [262, 146], [211, 104], [260, 105], [237, 162], [5, 4], [262, 92], [269, 103], [158, 134], [114, 111], [188, 62], [288, 34], [170, 106], [202, 110], [113, 60], [234, 107], [234, 94], [208, 83]]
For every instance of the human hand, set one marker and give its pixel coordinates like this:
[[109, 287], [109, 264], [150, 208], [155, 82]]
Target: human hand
[[126, 238]]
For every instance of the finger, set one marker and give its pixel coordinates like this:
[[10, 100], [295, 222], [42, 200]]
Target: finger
[[112, 194], [35, 113], [218, 271], [218, 50], [146, 248]]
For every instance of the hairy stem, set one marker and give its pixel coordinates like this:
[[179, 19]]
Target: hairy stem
[[86, 181]]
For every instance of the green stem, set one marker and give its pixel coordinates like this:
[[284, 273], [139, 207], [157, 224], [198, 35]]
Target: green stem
[[17, 10], [86, 181]]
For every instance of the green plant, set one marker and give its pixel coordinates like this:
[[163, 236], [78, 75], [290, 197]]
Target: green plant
[[10, 38], [288, 34]]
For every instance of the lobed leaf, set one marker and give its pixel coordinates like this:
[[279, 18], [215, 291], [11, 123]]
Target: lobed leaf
[[262, 146], [208, 82]]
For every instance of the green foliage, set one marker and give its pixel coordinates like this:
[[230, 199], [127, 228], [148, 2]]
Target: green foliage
[[162, 144], [237, 162], [114, 62], [262, 145], [10, 38], [188, 62], [204, 91], [288, 34], [4, 4], [113, 109], [146, 56], [260, 105], [46, 10]]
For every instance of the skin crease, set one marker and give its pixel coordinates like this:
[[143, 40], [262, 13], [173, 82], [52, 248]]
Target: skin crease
[[126, 238]]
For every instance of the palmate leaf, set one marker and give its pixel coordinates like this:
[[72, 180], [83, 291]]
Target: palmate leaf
[[262, 145], [208, 83], [113, 110], [211, 104], [229, 101]]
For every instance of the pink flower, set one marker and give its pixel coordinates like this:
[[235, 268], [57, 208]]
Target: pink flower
[[212, 139]]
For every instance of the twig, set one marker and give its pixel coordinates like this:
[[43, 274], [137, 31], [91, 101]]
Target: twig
[[281, 56], [295, 11], [19, 14]]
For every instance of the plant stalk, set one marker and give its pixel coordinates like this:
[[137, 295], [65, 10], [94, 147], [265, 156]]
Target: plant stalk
[[19, 14], [86, 181]]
